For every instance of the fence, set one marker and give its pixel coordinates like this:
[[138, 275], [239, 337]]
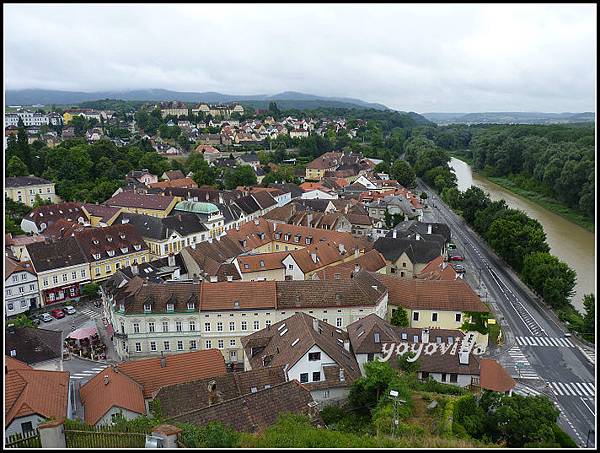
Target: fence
[[28, 440], [103, 437]]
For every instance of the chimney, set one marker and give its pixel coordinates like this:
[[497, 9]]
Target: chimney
[[394, 234], [220, 198], [230, 278], [315, 324], [342, 249], [171, 260], [210, 240], [256, 222], [429, 229], [425, 336], [163, 362], [356, 268], [134, 269], [347, 345], [313, 255], [213, 278], [463, 357], [106, 379]]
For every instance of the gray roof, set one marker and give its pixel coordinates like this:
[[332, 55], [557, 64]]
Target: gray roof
[[421, 251], [55, 255], [33, 345], [414, 226], [161, 228], [20, 181]]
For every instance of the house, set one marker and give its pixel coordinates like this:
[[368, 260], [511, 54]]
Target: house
[[21, 292], [371, 261], [213, 260], [438, 269], [153, 318], [249, 159], [293, 189], [61, 268], [298, 133], [99, 215], [43, 216], [166, 235], [27, 400], [322, 193], [39, 348], [408, 257], [315, 170], [434, 303], [111, 248], [185, 183], [23, 189], [94, 134], [207, 150], [141, 176], [152, 205], [174, 108], [208, 214], [16, 246], [177, 399], [313, 352], [265, 266], [68, 132], [261, 409], [172, 175]]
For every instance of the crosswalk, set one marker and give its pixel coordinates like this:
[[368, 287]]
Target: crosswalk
[[92, 314], [589, 354], [545, 341], [578, 389], [87, 373], [524, 390], [521, 367]]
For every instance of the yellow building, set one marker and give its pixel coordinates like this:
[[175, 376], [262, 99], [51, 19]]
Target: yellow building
[[24, 189], [152, 205], [100, 215]]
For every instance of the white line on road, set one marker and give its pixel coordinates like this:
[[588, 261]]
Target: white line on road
[[588, 407]]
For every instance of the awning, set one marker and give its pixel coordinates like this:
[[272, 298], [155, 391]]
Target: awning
[[86, 332], [110, 330]]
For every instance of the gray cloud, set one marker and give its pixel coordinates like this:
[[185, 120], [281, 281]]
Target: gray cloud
[[421, 58]]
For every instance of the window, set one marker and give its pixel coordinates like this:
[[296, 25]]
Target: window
[[32, 287], [338, 322], [207, 326], [23, 276], [438, 340], [150, 327], [180, 345], [21, 289], [192, 326], [316, 376], [312, 356], [82, 272], [107, 268], [434, 317], [232, 343], [167, 346], [165, 326], [458, 317], [138, 347], [45, 282], [244, 325], [370, 357], [415, 316], [55, 279], [136, 327], [97, 271], [376, 337], [193, 345], [303, 377], [256, 325], [11, 307], [26, 427], [170, 307], [453, 377], [443, 377], [191, 305], [450, 340], [74, 275], [147, 308], [153, 345], [220, 344], [424, 374], [178, 326], [219, 326], [231, 325], [208, 344]]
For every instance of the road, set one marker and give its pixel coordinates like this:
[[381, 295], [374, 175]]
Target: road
[[536, 352]]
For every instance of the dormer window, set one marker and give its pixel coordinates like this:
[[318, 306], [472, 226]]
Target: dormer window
[[277, 236], [109, 238], [236, 304], [124, 250], [96, 256], [262, 263], [191, 305], [286, 237], [122, 308], [297, 238], [95, 241], [137, 247], [308, 240], [170, 307], [122, 236], [246, 266], [110, 252], [147, 308]]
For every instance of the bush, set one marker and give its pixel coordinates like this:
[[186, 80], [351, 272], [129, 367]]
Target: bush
[[562, 438]]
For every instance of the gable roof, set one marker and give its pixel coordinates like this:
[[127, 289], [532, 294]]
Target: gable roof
[[371, 261], [70, 211], [12, 266], [234, 295], [494, 377], [255, 412], [161, 228], [110, 388], [176, 399], [56, 254], [33, 345], [261, 262], [26, 393], [182, 367], [122, 239], [135, 200], [415, 294], [21, 181], [286, 342], [419, 251]]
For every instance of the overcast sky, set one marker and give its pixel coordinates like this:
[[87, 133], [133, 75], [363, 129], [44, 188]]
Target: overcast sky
[[423, 58]]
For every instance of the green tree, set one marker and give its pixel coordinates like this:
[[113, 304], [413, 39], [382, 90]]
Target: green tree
[[405, 365], [475, 321], [589, 321], [203, 173], [240, 176], [22, 320], [473, 200], [366, 391], [16, 167], [550, 277], [10, 226], [400, 317], [423, 196], [90, 290], [402, 172]]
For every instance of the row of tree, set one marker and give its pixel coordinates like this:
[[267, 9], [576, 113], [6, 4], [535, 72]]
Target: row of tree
[[429, 161]]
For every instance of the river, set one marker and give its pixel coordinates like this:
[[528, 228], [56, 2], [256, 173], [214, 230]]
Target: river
[[569, 242]]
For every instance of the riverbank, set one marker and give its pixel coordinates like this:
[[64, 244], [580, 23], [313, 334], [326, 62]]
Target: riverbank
[[543, 201]]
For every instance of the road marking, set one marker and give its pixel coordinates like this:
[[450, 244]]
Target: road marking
[[589, 388], [587, 407], [571, 389], [544, 341]]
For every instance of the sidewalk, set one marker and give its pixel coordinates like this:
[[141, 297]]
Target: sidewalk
[[111, 353]]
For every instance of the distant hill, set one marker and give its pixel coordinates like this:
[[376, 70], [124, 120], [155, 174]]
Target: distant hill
[[288, 99], [510, 118]]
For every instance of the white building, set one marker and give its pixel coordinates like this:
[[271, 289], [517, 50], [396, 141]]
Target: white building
[[21, 290]]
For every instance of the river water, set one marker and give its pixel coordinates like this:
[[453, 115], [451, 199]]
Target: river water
[[569, 242]]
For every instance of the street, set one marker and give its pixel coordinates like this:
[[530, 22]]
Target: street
[[536, 352]]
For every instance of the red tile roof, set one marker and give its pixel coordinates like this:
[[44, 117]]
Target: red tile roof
[[494, 377]]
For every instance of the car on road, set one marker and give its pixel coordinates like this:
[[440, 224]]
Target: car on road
[[456, 258], [46, 317], [567, 335], [70, 310], [459, 268], [58, 313]]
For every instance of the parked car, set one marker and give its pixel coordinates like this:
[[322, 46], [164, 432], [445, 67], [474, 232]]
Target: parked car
[[58, 313], [70, 310], [46, 317], [459, 268], [451, 246], [567, 335], [456, 258], [35, 319]]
